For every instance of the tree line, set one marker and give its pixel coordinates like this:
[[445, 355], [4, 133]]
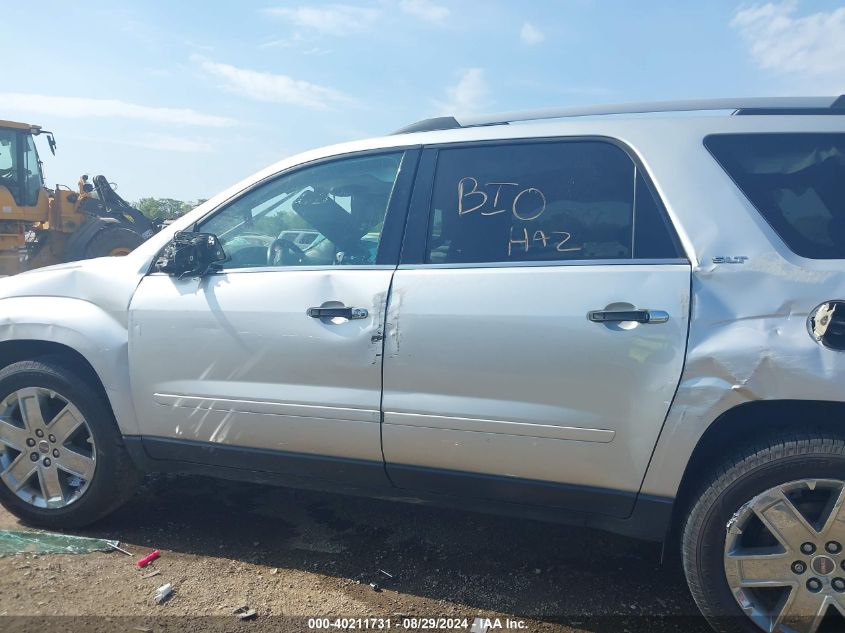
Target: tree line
[[268, 224], [165, 208]]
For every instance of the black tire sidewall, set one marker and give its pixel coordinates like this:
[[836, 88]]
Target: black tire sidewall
[[710, 545], [108, 445], [109, 238]]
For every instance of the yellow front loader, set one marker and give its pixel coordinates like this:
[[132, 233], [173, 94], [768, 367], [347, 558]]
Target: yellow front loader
[[41, 226]]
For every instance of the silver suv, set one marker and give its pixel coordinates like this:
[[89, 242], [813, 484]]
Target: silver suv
[[631, 322]]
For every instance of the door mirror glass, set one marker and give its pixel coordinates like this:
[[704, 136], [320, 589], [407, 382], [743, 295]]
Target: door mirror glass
[[191, 254]]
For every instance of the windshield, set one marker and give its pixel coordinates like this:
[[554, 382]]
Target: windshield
[[9, 176]]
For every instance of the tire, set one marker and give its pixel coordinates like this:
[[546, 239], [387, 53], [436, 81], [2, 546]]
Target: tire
[[738, 488], [60, 385], [112, 241]]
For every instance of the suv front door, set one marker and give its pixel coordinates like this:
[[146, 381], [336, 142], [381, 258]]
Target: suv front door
[[240, 368], [497, 383]]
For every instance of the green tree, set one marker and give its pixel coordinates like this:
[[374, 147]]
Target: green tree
[[148, 206], [165, 208]]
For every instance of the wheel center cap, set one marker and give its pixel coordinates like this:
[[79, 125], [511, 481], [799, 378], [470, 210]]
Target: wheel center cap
[[44, 446], [823, 565]]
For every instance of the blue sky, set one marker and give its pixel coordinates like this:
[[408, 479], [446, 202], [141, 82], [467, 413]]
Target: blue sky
[[181, 99]]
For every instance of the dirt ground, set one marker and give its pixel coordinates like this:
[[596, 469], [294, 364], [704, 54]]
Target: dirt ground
[[294, 555]]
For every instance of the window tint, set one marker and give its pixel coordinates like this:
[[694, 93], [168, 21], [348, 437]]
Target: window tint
[[327, 215], [539, 202], [797, 183], [654, 238]]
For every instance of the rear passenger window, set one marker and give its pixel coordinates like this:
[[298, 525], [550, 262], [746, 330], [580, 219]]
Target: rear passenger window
[[543, 202], [796, 182]]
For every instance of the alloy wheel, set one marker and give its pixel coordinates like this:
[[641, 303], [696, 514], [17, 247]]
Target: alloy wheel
[[784, 559], [47, 451]]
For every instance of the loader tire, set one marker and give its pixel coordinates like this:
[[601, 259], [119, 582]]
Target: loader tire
[[112, 241]]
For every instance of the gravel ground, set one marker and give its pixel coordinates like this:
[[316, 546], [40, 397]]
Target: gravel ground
[[291, 555]]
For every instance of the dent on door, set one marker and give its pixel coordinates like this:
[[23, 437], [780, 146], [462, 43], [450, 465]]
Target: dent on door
[[235, 359]]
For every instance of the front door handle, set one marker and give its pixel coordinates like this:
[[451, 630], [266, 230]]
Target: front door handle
[[331, 313], [640, 316]]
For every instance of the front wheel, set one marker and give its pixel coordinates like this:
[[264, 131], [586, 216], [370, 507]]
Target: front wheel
[[763, 544], [62, 459]]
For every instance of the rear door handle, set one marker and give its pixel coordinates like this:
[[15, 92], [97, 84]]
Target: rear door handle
[[331, 313], [640, 316]]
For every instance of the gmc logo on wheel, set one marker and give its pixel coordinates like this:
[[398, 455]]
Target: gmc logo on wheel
[[823, 565]]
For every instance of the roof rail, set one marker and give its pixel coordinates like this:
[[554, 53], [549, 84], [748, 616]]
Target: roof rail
[[744, 106]]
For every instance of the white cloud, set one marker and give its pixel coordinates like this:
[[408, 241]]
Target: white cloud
[[262, 86], [285, 42], [530, 34], [333, 19], [87, 107], [297, 41], [780, 41], [468, 95], [425, 10], [167, 143]]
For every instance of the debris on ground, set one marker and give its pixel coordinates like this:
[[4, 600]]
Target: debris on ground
[[148, 558], [439, 566], [153, 573], [163, 593], [245, 613], [20, 542], [375, 586], [386, 573], [121, 550]]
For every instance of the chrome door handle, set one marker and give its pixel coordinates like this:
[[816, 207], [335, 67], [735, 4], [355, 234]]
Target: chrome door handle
[[640, 316], [331, 313]]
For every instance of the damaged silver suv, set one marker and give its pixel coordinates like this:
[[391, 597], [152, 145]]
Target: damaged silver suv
[[635, 323]]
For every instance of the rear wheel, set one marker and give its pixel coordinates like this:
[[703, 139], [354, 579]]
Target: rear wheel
[[763, 544], [62, 460], [112, 241]]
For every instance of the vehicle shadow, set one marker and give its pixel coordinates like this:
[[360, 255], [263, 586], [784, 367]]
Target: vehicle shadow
[[523, 568]]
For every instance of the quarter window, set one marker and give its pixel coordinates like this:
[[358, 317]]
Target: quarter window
[[796, 182], [330, 214], [542, 202]]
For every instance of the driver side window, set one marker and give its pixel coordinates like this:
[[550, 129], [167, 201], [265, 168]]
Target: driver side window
[[330, 214]]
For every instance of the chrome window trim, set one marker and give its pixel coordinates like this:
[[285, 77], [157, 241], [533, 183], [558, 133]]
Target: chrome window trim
[[280, 269], [553, 264]]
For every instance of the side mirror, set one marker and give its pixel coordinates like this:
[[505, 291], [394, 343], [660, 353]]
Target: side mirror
[[190, 254]]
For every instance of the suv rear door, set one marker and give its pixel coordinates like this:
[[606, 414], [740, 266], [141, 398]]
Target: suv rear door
[[497, 383]]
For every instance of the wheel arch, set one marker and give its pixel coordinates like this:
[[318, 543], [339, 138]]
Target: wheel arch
[[16, 350], [743, 424], [75, 330]]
